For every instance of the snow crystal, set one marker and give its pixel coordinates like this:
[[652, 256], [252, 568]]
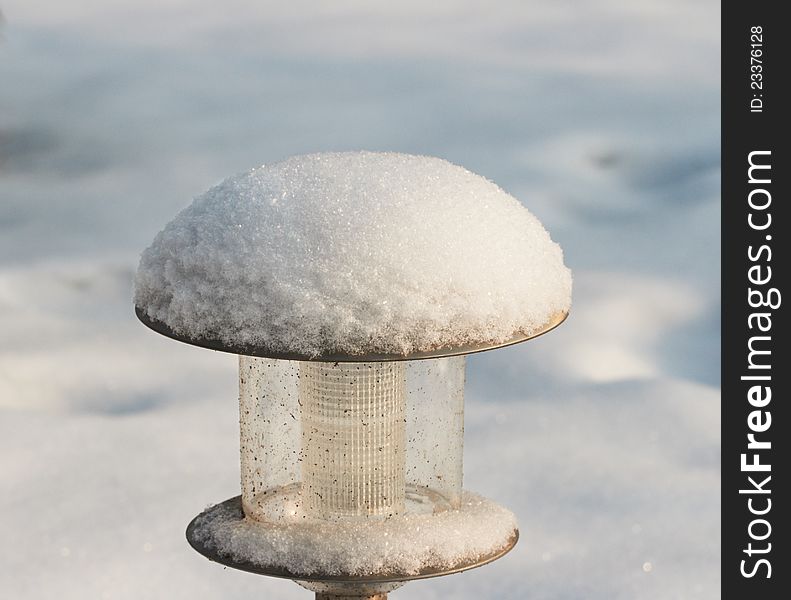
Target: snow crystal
[[403, 545], [354, 252]]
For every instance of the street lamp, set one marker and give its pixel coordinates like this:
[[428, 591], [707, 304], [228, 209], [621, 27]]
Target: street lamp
[[352, 285]]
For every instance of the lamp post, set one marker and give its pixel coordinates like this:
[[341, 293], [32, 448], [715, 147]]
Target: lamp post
[[351, 428]]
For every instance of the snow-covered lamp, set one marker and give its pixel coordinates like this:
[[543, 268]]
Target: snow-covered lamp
[[352, 285]]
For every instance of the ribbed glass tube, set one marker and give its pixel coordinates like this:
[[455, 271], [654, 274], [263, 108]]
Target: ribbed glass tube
[[353, 438]]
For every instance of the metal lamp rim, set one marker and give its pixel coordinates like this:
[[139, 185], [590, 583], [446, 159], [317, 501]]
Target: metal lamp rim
[[333, 357]]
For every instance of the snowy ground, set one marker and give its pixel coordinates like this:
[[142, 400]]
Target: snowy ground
[[603, 117]]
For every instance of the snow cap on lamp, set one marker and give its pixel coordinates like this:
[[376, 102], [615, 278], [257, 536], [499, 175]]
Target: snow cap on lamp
[[353, 254]]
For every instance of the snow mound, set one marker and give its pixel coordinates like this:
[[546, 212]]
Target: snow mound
[[354, 252], [398, 546]]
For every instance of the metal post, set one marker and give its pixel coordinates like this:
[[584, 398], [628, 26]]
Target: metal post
[[320, 596]]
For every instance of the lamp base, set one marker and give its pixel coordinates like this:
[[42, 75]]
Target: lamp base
[[347, 597], [326, 590], [209, 532]]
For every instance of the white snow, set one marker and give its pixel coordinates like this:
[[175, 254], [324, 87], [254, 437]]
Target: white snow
[[354, 252], [406, 544], [602, 437]]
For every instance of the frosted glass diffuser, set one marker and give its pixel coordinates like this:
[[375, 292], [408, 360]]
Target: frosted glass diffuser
[[352, 286]]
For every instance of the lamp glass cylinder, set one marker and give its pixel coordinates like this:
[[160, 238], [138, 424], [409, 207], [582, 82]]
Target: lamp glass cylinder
[[336, 441]]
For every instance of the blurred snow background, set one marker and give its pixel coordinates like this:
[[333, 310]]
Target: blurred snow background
[[602, 117]]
